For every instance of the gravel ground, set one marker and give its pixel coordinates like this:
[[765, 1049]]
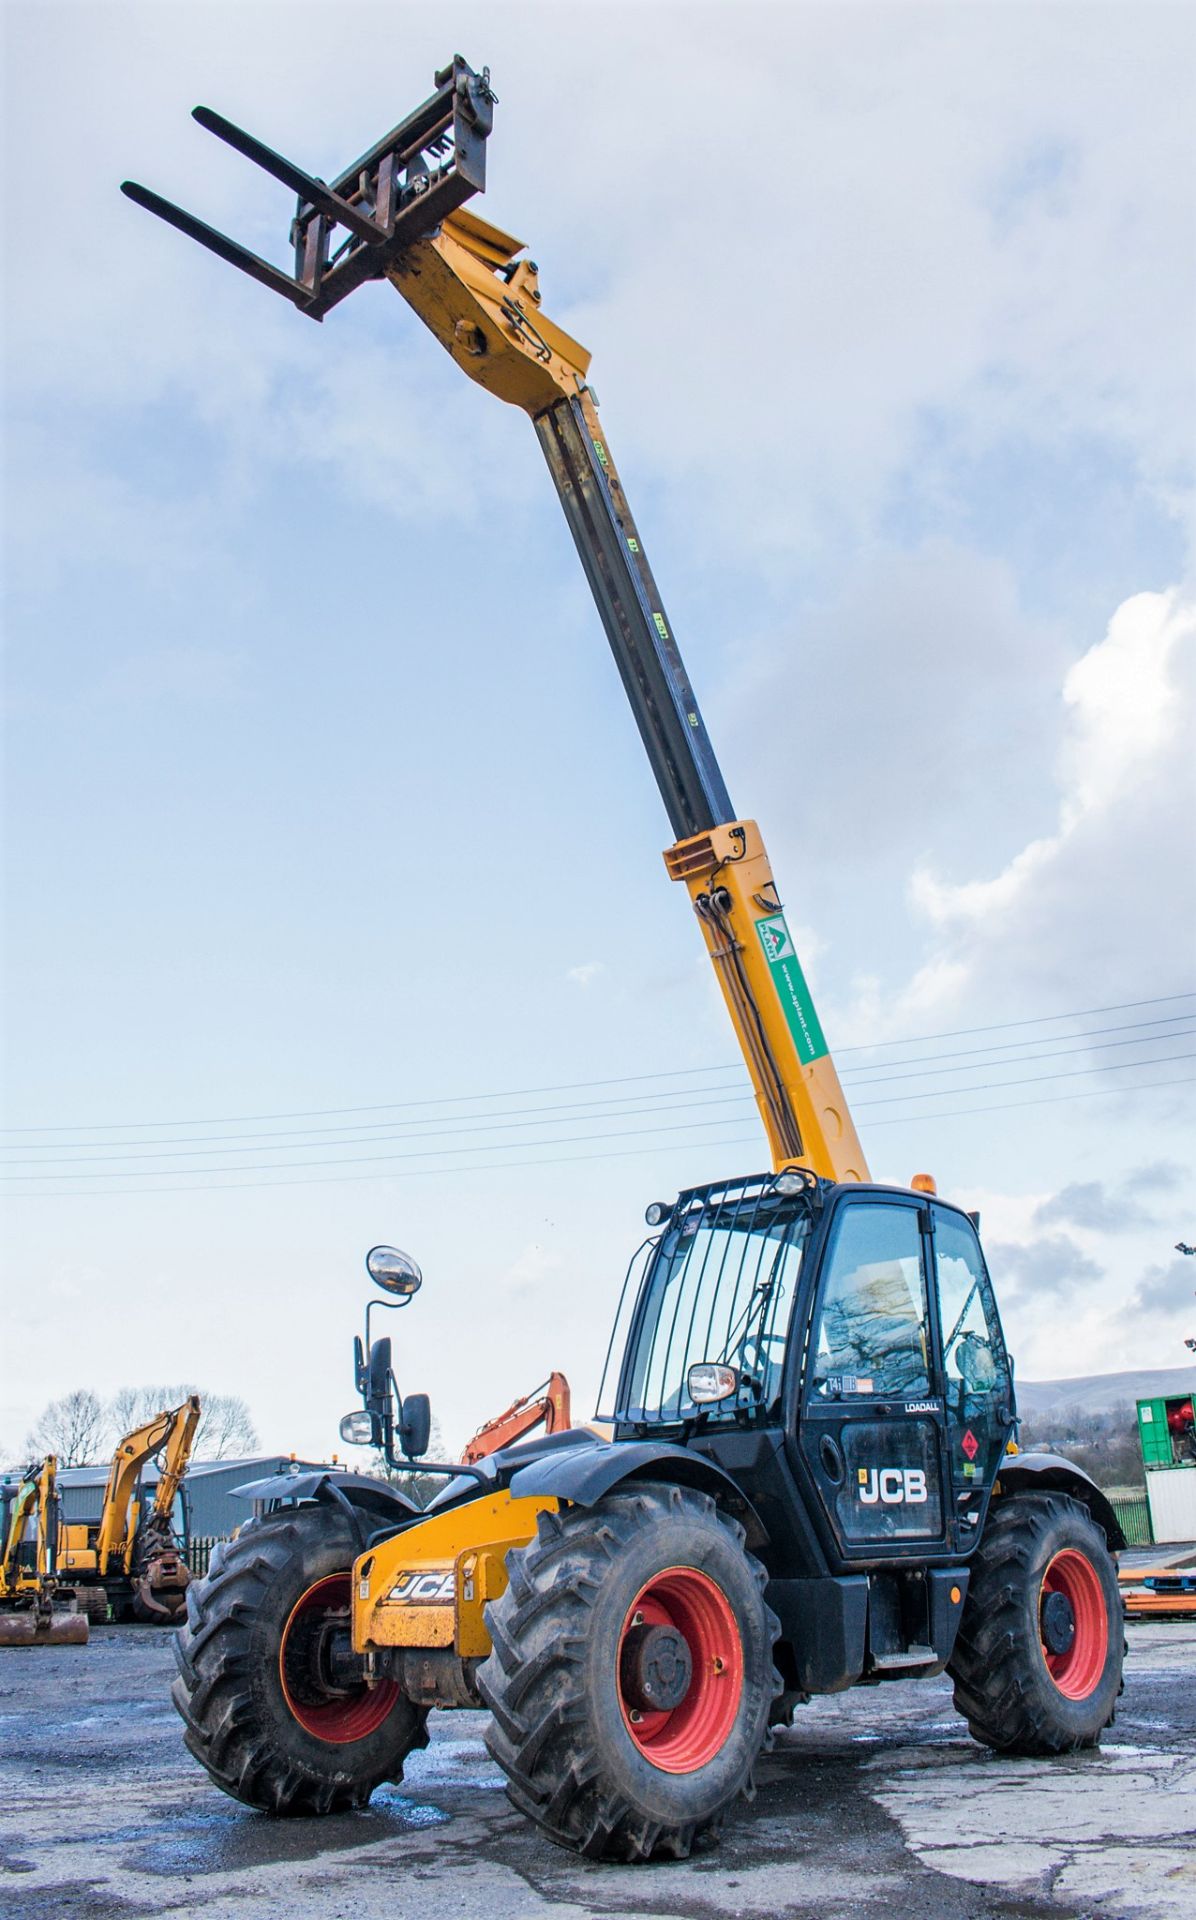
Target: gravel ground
[[874, 1804]]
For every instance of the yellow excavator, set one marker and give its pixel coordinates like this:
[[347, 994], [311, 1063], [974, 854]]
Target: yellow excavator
[[127, 1560], [33, 1613], [808, 1483]]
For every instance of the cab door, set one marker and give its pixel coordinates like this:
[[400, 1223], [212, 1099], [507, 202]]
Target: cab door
[[977, 1376], [871, 1422]]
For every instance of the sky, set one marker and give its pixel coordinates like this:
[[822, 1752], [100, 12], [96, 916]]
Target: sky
[[334, 905]]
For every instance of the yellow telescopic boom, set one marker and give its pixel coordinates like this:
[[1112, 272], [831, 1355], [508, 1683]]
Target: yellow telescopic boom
[[398, 212]]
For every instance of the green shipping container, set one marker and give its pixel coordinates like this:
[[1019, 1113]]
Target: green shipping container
[[1153, 1433]]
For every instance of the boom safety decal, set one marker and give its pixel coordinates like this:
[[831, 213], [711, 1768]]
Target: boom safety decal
[[791, 988]]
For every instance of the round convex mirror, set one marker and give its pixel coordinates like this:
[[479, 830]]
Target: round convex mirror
[[393, 1271]]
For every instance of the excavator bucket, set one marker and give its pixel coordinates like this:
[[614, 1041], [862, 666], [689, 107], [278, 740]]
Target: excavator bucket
[[160, 1590], [38, 1627], [394, 195]]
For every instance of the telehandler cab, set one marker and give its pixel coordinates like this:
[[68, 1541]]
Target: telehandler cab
[[811, 1482]]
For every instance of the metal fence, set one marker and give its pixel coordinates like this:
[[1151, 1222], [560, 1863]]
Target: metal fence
[[199, 1552], [1133, 1517]]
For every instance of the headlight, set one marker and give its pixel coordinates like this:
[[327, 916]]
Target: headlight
[[709, 1381], [658, 1212]]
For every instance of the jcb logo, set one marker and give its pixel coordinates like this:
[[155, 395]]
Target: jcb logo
[[426, 1589], [892, 1486]]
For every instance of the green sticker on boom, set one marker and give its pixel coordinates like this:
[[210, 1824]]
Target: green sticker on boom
[[792, 991]]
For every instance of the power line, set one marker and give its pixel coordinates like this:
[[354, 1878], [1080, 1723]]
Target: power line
[[454, 1129], [462, 1125], [1058, 1053], [864, 1076], [1014, 1106], [1032, 1080], [569, 1086], [508, 1166], [884, 1100]]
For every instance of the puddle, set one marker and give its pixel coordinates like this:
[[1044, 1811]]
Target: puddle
[[408, 1813], [220, 1841]]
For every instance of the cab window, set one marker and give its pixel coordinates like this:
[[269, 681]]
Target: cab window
[[974, 1361], [871, 1331]]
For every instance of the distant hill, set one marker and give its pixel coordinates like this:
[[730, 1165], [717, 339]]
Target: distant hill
[[1098, 1392]]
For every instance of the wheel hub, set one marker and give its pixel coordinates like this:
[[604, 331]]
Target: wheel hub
[[323, 1681], [1058, 1623], [655, 1668]]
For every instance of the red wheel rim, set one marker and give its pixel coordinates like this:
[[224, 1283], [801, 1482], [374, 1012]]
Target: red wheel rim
[[1077, 1672], [341, 1717], [696, 1730]]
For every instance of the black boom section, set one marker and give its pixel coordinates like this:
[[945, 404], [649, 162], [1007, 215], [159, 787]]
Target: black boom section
[[628, 600]]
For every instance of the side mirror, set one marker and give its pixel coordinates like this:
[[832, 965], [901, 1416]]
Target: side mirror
[[393, 1271], [415, 1427], [358, 1429]]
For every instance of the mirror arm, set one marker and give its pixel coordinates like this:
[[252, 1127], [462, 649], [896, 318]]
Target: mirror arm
[[456, 1467], [387, 1306]]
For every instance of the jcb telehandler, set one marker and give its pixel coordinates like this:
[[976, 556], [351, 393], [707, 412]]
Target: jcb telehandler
[[127, 1559], [811, 1482], [33, 1613]]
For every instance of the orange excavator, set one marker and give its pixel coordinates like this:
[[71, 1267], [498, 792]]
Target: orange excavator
[[546, 1405]]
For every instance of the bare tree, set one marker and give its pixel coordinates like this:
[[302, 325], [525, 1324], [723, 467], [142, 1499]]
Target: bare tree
[[225, 1429], [81, 1428], [73, 1427]]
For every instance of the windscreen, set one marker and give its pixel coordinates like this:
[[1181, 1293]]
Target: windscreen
[[719, 1287]]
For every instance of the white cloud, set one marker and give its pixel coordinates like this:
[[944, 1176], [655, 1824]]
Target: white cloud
[[1112, 881], [586, 974]]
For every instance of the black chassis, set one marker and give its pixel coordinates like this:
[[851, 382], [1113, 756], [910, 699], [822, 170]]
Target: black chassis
[[844, 1619]]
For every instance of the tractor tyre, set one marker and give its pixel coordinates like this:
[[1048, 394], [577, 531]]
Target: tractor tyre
[[631, 1674], [273, 1705], [1037, 1664]]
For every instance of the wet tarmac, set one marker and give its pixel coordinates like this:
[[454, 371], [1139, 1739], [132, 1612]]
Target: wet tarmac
[[873, 1804]]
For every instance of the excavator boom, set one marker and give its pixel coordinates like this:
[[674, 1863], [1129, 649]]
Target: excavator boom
[[399, 213], [547, 1406], [28, 1579], [170, 1434], [130, 1557]]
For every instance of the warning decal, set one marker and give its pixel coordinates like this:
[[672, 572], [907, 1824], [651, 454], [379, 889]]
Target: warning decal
[[792, 991]]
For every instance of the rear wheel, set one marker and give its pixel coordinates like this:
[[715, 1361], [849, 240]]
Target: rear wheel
[[276, 1705], [631, 1675], [1037, 1665]]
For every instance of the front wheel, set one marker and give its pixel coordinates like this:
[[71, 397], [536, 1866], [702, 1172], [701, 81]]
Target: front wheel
[[631, 1675], [275, 1704], [1037, 1665]]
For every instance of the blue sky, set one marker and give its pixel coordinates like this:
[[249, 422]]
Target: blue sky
[[321, 789]]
